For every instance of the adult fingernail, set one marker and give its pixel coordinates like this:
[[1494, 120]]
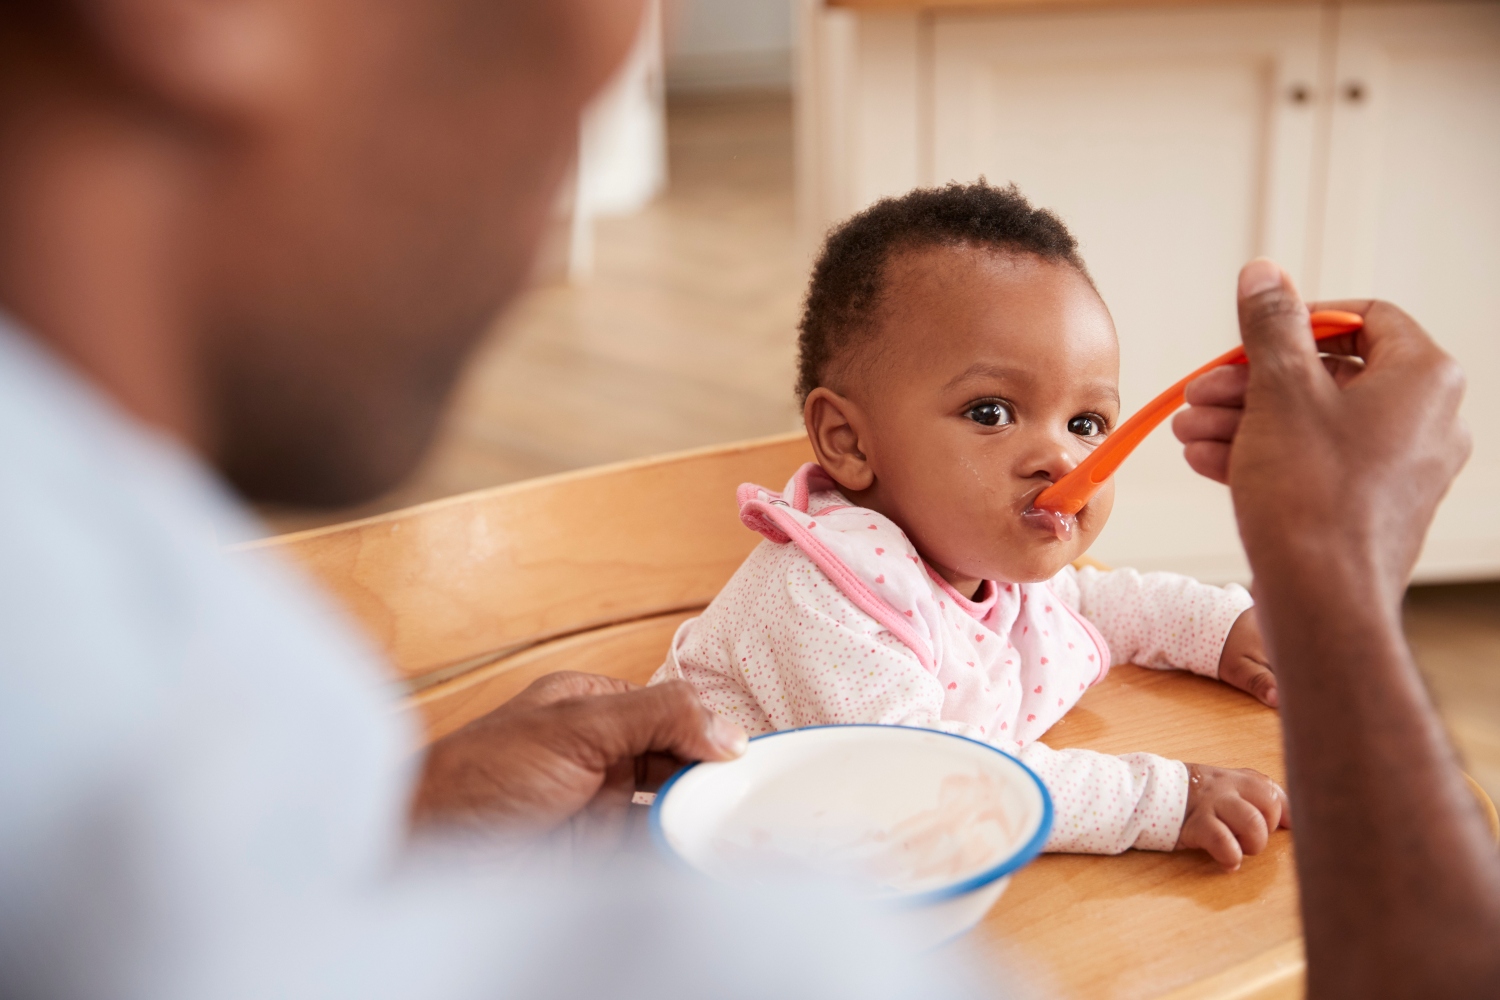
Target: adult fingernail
[[1260, 275], [727, 736]]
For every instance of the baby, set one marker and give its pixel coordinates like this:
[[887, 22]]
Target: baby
[[955, 360]]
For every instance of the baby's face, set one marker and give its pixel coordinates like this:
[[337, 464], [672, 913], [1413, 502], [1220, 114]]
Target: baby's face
[[991, 377]]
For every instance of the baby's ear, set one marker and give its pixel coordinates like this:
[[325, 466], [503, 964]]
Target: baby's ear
[[836, 427]]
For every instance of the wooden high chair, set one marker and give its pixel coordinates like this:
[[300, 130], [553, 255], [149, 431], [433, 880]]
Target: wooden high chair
[[475, 596]]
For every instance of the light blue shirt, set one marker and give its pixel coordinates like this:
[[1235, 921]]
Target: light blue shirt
[[204, 790]]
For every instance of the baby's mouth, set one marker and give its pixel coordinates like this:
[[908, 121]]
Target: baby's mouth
[[1055, 522]]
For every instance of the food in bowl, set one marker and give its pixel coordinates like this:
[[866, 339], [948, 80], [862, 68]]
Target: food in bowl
[[917, 819]]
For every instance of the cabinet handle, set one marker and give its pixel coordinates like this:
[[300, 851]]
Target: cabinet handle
[[1299, 93], [1355, 92]]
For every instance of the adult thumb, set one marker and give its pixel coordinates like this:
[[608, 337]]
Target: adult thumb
[[1274, 324]]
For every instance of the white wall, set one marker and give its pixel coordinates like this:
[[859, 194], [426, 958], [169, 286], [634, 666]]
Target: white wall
[[729, 45]]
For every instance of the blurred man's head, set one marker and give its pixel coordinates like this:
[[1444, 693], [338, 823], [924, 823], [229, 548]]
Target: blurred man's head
[[276, 226]]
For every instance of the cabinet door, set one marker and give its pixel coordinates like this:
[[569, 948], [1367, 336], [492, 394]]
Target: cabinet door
[[1413, 215], [1177, 145]]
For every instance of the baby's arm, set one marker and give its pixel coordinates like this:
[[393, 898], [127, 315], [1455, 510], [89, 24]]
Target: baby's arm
[[1105, 805], [1159, 620], [1164, 620]]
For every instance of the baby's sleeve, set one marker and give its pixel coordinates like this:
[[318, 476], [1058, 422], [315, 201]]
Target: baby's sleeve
[[1104, 804], [1159, 620]]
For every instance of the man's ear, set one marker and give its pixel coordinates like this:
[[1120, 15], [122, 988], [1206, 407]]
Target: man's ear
[[221, 58], [836, 427]]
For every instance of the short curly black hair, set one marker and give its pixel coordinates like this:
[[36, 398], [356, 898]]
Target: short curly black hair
[[847, 279]]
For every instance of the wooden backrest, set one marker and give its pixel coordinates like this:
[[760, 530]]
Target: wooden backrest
[[455, 590], [475, 596]]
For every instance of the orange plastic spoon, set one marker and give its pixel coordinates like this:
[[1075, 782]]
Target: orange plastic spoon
[[1068, 495]]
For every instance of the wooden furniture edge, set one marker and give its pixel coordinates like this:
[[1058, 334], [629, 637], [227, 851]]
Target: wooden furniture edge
[[447, 706], [1486, 806], [1276, 974], [427, 689], [441, 678], [1053, 6], [521, 486]]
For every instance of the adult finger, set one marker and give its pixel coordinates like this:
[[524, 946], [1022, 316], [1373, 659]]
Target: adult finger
[[1390, 338], [1222, 386], [1274, 324], [1210, 459], [1360, 306], [653, 769], [1207, 427], [552, 688], [1344, 343], [666, 718], [1395, 345], [1207, 423]]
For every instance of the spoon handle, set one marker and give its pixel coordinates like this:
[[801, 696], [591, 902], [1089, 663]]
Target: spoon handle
[[1069, 494]]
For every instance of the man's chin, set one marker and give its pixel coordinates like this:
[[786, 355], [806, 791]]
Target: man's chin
[[327, 468], [317, 484]]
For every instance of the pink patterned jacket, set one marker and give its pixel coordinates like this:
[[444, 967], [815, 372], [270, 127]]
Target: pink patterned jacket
[[835, 618]]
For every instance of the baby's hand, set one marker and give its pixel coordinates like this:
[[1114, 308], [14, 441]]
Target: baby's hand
[[1231, 812], [1244, 665]]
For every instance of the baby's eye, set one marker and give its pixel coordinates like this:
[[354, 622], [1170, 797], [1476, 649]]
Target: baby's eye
[[990, 413], [1086, 425]]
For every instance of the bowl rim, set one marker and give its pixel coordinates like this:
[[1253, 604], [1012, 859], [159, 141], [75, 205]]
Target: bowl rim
[[1017, 859]]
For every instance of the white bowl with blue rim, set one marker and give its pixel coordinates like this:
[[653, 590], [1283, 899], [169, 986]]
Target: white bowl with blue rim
[[926, 825]]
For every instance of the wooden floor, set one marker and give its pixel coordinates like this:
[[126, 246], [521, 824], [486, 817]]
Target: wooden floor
[[685, 336], [1455, 632]]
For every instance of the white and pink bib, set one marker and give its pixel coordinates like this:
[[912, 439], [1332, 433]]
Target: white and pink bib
[[1010, 663]]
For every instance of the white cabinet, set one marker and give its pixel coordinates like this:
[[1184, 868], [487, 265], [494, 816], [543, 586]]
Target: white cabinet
[[1359, 146], [1413, 215]]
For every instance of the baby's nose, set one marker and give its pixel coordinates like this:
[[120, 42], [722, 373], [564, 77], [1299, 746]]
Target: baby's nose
[[1051, 459]]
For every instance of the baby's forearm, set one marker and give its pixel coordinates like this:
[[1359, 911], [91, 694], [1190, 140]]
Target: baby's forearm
[[1104, 804]]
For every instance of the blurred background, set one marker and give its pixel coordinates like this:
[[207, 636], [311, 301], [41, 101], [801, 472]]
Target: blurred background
[[1356, 143]]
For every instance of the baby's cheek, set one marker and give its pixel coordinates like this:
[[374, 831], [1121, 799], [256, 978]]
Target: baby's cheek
[[1093, 518]]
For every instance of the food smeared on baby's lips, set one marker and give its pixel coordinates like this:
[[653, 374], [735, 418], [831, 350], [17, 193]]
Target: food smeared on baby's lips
[[1055, 521]]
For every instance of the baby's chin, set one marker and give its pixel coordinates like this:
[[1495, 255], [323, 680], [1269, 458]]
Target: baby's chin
[[1037, 561]]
